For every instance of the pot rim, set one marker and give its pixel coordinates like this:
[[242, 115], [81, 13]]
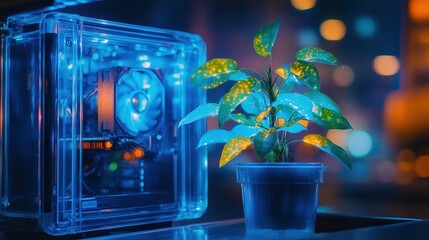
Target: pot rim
[[282, 172], [280, 165]]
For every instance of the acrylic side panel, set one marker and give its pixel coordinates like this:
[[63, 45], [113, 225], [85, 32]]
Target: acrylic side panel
[[60, 163], [20, 136]]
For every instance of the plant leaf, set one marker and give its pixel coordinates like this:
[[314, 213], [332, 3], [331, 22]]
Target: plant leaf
[[330, 119], [263, 114], [232, 148], [213, 73], [282, 72], [323, 100], [237, 94], [245, 131], [298, 102], [315, 54], [241, 118], [329, 147], [265, 38], [264, 142], [215, 136], [295, 128], [238, 75], [202, 111], [307, 73]]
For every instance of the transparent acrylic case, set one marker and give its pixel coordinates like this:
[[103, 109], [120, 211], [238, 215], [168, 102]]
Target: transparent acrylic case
[[89, 115]]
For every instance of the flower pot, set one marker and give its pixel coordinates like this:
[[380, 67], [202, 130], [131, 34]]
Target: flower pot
[[280, 199]]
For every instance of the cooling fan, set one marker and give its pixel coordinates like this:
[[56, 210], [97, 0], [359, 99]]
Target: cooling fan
[[139, 101]]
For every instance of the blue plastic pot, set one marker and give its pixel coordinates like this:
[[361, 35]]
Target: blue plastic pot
[[280, 199]]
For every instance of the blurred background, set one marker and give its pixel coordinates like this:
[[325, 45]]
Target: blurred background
[[382, 86]]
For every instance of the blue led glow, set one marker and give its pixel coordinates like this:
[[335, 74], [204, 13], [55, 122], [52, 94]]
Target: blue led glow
[[365, 26], [307, 38]]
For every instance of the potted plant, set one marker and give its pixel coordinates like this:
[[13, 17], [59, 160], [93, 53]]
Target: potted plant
[[279, 194]]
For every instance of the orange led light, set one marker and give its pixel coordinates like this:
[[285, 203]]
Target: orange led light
[[138, 153], [108, 145]]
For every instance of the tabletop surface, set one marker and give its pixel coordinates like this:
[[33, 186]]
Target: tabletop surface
[[328, 227]]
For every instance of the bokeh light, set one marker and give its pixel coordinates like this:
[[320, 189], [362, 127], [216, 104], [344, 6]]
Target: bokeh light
[[365, 26], [113, 166], [405, 164], [422, 166], [418, 10], [333, 29], [307, 38], [338, 137], [359, 144], [386, 65], [303, 4], [344, 75]]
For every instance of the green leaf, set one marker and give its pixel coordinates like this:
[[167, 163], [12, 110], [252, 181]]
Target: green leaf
[[330, 119], [263, 114], [298, 102], [202, 111], [239, 75], [290, 80], [295, 128], [245, 131], [323, 100], [265, 38], [241, 118], [237, 94], [282, 72], [256, 102], [215, 136], [264, 142], [317, 55], [213, 73], [329, 147], [233, 148], [307, 73]]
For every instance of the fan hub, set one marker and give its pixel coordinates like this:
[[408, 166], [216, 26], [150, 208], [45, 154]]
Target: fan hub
[[140, 102]]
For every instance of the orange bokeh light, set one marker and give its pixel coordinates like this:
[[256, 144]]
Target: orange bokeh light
[[333, 29], [344, 76], [303, 4], [419, 10], [422, 166], [386, 65]]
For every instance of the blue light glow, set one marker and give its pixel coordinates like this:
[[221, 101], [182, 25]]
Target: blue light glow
[[360, 144], [307, 38], [365, 26]]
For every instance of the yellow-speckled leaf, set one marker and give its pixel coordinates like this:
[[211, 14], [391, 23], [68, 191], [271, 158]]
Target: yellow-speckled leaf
[[307, 73], [265, 38], [237, 94], [263, 114], [330, 119], [329, 147], [241, 118], [317, 55], [232, 148], [282, 72], [213, 73]]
